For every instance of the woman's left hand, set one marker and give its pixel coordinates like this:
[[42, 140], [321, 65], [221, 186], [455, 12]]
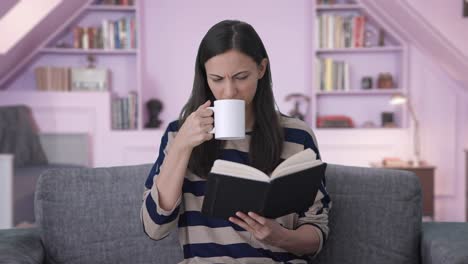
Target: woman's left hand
[[264, 229]]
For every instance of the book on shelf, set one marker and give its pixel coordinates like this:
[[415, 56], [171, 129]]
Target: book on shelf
[[291, 187], [51, 78], [124, 112], [340, 31], [332, 75], [116, 2], [326, 2], [118, 34]]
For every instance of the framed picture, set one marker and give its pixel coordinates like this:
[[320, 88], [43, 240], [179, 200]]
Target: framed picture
[[465, 8]]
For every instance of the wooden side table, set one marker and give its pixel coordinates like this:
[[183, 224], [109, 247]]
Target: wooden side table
[[426, 177]]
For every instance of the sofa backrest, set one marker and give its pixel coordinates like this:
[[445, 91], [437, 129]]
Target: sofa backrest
[[67, 148], [92, 216], [375, 216]]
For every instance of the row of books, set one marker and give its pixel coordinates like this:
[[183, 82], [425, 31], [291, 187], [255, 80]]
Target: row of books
[[51, 78], [116, 2], [338, 31], [333, 75], [326, 2], [124, 111], [120, 34]]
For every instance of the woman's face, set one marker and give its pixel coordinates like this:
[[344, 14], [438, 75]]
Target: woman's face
[[234, 75]]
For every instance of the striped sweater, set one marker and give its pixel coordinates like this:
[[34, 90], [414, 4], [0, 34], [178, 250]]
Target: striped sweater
[[210, 240]]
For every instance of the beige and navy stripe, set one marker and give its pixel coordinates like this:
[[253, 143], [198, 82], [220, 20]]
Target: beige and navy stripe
[[211, 240]]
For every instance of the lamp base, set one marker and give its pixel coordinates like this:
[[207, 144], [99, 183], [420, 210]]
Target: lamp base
[[416, 162]]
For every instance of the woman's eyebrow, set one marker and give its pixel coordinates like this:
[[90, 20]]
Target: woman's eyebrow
[[240, 73], [215, 75]]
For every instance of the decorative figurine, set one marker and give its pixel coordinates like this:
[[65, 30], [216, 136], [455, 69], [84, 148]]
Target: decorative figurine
[[298, 99], [385, 81], [366, 83], [387, 119], [154, 107], [91, 61], [370, 38], [381, 38]]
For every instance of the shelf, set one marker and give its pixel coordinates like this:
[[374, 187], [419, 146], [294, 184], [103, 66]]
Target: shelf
[[137, 132], [89, 51], [55, 93], [338, 7], [374, 91], [77, 98], [360, 129], [111, 8], [360, 50], [127, 135]]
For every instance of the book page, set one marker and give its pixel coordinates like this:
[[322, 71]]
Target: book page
[[238, 170], [297, 162]]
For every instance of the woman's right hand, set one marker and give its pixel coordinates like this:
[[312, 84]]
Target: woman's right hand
[[196, 128]]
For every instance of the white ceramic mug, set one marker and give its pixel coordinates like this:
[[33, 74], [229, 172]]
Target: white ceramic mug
[[229, 119]]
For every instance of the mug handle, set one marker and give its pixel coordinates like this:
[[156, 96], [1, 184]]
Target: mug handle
[[214, 129]]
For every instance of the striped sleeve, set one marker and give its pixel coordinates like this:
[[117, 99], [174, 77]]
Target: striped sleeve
[[157, 222], [317, 214]]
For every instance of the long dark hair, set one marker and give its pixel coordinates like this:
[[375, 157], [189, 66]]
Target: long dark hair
[[266, 143]]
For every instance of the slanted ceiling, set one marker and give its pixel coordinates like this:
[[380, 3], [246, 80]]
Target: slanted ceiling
[[402, 18], [27, 48], [6, 5]]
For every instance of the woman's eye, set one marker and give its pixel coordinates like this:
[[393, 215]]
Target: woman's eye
[[242, 77], [216, 80]]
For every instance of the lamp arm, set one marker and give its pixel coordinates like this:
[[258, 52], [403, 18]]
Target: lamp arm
[[417, 150]]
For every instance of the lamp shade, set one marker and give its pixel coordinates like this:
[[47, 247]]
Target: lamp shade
[[398, 99]]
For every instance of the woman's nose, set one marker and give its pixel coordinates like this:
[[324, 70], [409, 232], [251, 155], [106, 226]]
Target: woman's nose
[[230, 91]]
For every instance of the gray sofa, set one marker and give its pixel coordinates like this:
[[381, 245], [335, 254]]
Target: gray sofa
[[92, 216]]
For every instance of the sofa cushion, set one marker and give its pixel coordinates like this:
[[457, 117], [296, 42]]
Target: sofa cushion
[[24, 187], [375, 217], [21, 245], [93, 216], [444, 243]]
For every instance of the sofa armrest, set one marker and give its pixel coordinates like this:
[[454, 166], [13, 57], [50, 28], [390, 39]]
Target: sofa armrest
[[444, 243], [21, 245]]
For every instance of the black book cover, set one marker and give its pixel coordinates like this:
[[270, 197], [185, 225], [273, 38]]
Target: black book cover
[[225, 195]]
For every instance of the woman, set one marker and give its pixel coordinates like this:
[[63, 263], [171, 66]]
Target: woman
[[231, 63]]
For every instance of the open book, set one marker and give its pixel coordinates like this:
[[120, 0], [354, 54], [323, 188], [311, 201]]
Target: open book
[[292, 187]]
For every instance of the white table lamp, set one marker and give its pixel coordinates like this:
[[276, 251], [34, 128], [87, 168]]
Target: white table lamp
[[399, 99]]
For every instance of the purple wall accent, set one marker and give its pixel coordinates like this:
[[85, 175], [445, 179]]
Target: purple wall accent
[[36, 36], [6, 5]]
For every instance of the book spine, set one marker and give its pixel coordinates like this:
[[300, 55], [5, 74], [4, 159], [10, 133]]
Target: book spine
[[265, 199], [77, 32], [105, 34], [209, 204]]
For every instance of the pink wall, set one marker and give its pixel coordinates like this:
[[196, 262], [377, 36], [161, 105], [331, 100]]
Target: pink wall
[[174, 29], [446, 17]]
